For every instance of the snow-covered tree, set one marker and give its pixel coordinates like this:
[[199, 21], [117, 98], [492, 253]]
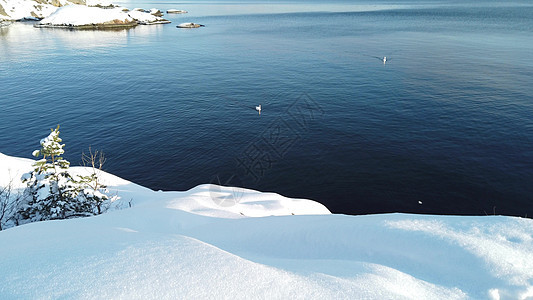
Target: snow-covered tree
[[52, 192]]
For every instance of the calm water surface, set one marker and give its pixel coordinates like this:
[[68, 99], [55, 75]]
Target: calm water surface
[[447, 121]]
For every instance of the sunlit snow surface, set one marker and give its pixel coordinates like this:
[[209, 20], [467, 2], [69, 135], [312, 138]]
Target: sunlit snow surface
[[19, 9], [199, 244], [80, 15]]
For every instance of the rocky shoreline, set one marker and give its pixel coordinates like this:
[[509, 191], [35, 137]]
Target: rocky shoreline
[[88, 26], [4, 23]]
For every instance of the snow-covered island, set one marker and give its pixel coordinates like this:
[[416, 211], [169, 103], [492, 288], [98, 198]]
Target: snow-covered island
[[21, 9], [76, 14], [224, 242], [80, 16]]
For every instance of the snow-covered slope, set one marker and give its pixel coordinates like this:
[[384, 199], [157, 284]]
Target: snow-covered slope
[[19, 9], [182, 245], [207, 199]]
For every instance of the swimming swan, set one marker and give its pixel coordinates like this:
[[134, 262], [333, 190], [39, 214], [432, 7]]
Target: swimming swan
[[384, 59], [258, 108]]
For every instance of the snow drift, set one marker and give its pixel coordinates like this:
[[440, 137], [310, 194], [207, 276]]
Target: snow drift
[[194, 245]]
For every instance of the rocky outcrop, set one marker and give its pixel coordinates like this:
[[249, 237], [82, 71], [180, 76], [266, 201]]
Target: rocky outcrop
[[81, 16], [59, 3], [176, 11], [2, 12], [156, 12], [84, 17], [21, 9], [145, 18], [190, 25]]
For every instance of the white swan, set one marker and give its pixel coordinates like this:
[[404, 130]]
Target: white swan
[[258, 108], [383, 59]]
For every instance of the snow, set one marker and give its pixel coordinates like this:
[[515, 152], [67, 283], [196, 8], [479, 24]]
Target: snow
[[29, 9], [19, 9], [176, 11], [223, 242], [52, 141], [70, 14], [79, 15], [143, 17], [189, 25]]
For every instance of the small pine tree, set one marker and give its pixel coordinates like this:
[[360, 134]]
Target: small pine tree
[[52, 192]]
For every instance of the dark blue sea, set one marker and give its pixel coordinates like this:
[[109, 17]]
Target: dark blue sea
[[445, 126]]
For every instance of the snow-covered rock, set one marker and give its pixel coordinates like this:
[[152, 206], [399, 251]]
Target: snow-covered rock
[[146, 18], [4, 23], [205, 243], [95, 17], [20, 9], [155, 12], [83, 16], [176, 11], [189, 25]]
